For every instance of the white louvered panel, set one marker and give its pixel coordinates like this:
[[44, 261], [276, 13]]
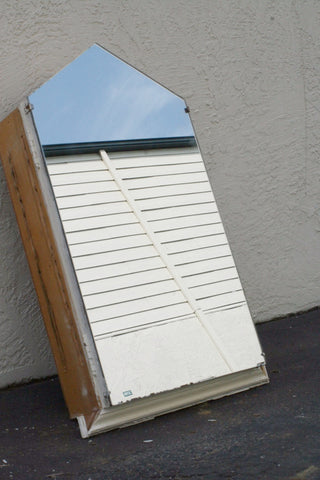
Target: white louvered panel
[[166, 191], [148, 317], [201, 254], [206, 265], [125, 281], [112, 232], [80, 177], [214, 289], [83, 188], [56, 165], [155, 160], [125, 255], [73, 161], [179, 200], [98, 222], [74, 167], [190, 232], [158, 171], [89, 199], [107, 245], [151, 256], [211, 277], [120, 309], [128, 294], [195, 243], [177, 212], [186, 221], [105, 271], [93, 210], [195, 249], [164, 179], [223, 300]]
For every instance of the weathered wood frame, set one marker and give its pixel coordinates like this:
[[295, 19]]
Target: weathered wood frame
[[50, 265]]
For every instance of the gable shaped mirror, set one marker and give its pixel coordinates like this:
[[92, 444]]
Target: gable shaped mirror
[[136, 281]]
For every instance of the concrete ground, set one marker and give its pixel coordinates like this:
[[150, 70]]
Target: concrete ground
[[271, 432]]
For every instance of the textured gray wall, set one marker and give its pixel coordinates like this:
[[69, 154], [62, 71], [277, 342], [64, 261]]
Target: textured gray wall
[[249, 70]]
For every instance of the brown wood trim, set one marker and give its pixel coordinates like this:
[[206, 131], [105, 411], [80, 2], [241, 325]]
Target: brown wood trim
[[46, 269]]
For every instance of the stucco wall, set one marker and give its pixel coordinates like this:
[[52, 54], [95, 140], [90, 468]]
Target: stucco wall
[[249, 70]]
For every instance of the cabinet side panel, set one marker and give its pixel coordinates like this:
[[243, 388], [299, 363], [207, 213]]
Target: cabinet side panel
[[46, 269]]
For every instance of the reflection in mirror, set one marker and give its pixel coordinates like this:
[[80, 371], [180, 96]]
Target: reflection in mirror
[[158, 281], [98, 98]]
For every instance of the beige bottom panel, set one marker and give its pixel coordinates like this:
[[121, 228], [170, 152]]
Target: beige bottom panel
[[146, 409]]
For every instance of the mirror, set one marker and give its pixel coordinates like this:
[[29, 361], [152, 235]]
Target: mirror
[[163, 301], [100, 98]]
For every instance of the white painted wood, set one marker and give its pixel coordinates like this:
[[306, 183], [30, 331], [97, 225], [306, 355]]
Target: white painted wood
[[160, 171], [80, 177], [93, 210], [152, 260], [95, 300], [225, 299], [101, 233], [196, 243], [214, 289], [156, 181], [89, 199], [188, 358], [183, 234], [125, 281], [213, 276], [109, 245], [68, 166], [83, 188], [116, 256], [123, 268], [171, 224], [201, 254], [169, 190], [162, 202], [98, 222], [155, 160], [218, 345], [180, 211], [206, 265], [148, 303], [147, 318]]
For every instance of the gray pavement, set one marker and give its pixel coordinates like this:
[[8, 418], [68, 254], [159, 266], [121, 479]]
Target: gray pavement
[[271, 432]]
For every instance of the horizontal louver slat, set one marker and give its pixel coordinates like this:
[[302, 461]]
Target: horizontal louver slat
[[83, 188], [155, 160], [185, 233], [112, 232], [98, 222], [80, 178], [105, 271], [156, 171], [148, 317], [163, 202], [107, 245], [88, 199], [201, 254], [125, 281], [120, 309], [125, 255], [156, 181], [128, 294]]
